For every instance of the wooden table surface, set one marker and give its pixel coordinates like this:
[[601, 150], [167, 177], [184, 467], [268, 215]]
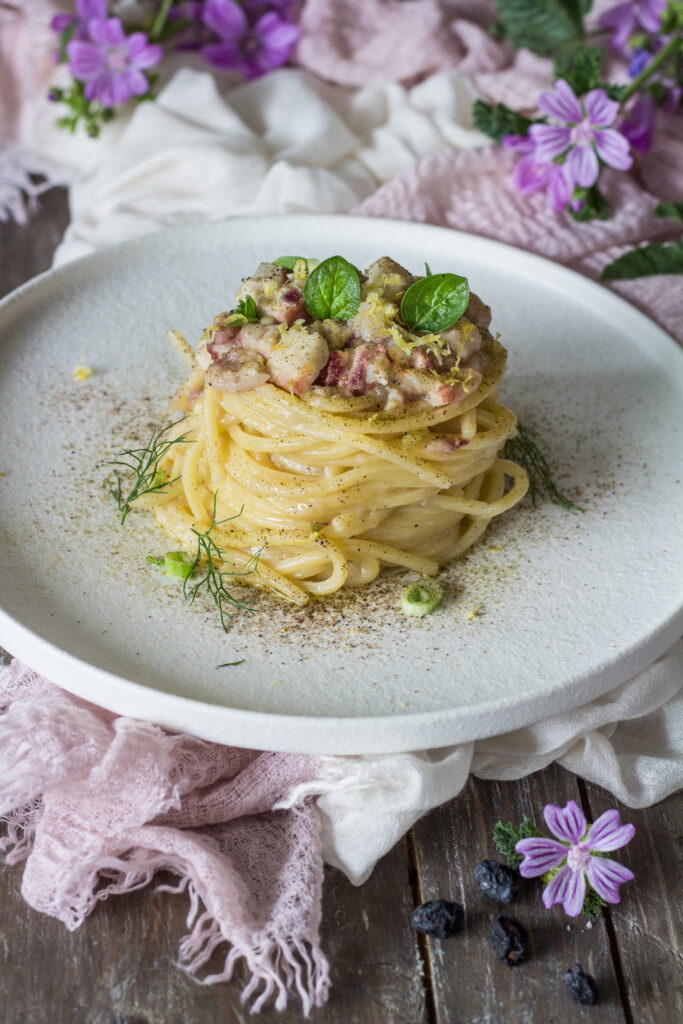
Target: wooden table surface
[[118, 968]]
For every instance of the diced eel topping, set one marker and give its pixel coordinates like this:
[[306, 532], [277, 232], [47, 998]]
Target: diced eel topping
[[274, 293], [373, 351]]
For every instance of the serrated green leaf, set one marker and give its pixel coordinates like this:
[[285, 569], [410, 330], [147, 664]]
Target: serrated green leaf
[[593, 904], [332, 290], [580, 68], [506, 836], [499, 120], [674, 211], [656, 258], [434, 303], [542, 25]]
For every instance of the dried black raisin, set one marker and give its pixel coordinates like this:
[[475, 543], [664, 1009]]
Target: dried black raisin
[[496, 881], [509, 939], [438, 918], [581, 986]]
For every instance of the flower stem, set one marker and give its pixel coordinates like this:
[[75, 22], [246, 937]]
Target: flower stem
[[160, 20], [660, 58]]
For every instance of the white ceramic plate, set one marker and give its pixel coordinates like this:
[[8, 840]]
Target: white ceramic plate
[[568, 606]]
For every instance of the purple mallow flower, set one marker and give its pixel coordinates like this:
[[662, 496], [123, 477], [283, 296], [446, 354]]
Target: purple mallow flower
[[112, 64], [531, 174], [251, 49], [635, 15], [86, 10], [584, 135], [574, 856], [639, 123], [558, 157]]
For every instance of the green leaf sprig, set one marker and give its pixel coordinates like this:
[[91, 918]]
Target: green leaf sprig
[[525, 450], [506, 836], [435, 302], [245, 312], [90, 113], [593, 204], [672, 211], [580, 68], [542, 26], [499, 120], [145, 464], [332, 291], [208, 572], [656, 258]]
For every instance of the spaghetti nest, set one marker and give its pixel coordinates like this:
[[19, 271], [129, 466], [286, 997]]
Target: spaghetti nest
[[331, 488]]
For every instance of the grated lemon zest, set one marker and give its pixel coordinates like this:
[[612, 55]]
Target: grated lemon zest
[[299, 271], [81, 372]]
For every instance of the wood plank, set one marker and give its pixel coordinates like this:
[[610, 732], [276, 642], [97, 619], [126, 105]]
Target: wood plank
[[469, 982], [647, 928], [27, 250], [118, 966]]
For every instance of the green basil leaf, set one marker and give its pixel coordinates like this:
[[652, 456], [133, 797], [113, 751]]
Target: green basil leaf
[[672, 210], [542, 26], [435, 302], [649, 259], [580, 68], [332, 290], [288, 262], [428, 270], [499, 120]]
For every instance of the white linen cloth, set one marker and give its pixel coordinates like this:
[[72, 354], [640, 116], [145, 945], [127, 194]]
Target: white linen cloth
[[289, 143], [285, 143]]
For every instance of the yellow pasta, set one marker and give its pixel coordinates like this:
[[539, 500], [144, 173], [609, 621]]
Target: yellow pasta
[[317, 452], [328, 492]]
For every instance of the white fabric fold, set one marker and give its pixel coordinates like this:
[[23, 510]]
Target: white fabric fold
[[630, 741], [285, 143]]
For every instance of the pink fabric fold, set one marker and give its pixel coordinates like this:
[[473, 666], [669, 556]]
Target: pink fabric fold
[[471, 190], [96, 804], [360, 42]]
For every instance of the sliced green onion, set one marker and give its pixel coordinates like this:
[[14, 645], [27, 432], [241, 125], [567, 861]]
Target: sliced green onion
[[421, 597], [178, 564], [174, 563]]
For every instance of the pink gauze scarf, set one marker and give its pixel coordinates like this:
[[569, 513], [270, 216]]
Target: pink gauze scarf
[[88, 796]]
